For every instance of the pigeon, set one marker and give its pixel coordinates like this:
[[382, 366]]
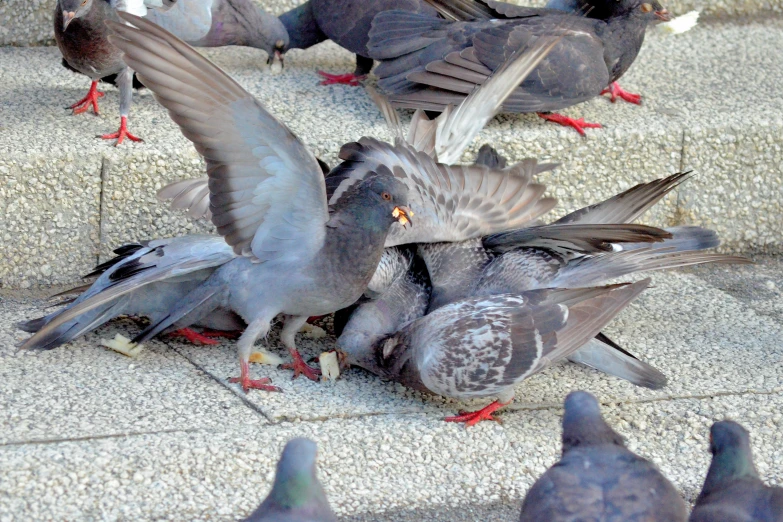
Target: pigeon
[[345, 22], [485, 346], [429, 62], [598, 478], [268, 200], [82, 37], [733, 491], [297, 495], [144, 279]]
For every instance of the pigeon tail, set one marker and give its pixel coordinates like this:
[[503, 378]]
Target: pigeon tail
[[613, 360]]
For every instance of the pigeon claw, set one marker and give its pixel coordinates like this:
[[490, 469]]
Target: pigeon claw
[[212, 334], [579, 125], [121, 134], [300, 367], [615, 91], [341, 79], [91, 100], [193, 336], [253, 384], [471, 418]]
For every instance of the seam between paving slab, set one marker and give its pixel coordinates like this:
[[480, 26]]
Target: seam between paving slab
[[512, 410]]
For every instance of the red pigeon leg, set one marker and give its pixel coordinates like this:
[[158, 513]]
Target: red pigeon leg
[[579, 125], [122, 133], [300, 366], [91, 100], [344, 79], [255, 384], [471, 418], [220, 333], [615, 91], [193, 336]]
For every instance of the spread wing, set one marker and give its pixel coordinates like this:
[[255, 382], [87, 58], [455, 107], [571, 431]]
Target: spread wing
[[267, 192], [450, 202]]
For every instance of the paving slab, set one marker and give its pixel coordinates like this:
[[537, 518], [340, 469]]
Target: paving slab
[[91, 434]]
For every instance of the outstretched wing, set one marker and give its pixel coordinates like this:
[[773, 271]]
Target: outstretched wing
[[267, 193], [451, 203], [189, 20]]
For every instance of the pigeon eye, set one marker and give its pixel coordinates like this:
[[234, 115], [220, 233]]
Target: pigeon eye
[[84, 2], [646, 8], [386, 196]]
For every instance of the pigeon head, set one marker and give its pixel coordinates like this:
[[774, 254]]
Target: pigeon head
[[731, 454], [272, 37], [648, 11], [583, 424], [73, 9], [379, 199], [295, 481]]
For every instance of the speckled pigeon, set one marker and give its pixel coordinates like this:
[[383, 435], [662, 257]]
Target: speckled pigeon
[[82, 36], [485, 346], [598, 478], [299, 253], [428, 62], [297, 495], [733, 491]]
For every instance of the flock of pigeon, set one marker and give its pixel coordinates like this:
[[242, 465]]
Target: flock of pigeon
[[443, 277], [596, 479]]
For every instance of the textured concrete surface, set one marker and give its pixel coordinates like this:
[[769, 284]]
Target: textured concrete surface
[[29, 22], [86, 433], [69, 196]]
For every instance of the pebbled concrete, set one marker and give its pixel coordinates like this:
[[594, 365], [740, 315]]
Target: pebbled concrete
[[69, 196], [29, 22], [86, 433]]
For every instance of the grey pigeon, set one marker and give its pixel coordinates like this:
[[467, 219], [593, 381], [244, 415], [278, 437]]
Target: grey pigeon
[[347, 23], [297, 495], [428, 62], [485, 346], [733, 491], [82, 37], [598, 478], [144, 280]]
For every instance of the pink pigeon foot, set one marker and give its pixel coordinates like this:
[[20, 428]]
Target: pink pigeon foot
[[122, 133], [471, 418], [615, 91], [301, 367], [255, 384], [579, 125], [91, 100], [344, 79]]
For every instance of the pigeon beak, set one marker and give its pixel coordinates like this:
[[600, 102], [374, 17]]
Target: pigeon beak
[[68, 18], [276, 56], [403, 215], [663, 15]]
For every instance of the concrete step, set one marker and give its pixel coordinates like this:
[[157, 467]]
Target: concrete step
[[29, 22], [711, 104]]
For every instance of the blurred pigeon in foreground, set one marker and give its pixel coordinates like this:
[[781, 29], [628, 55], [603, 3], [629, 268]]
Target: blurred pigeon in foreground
[[733, 491], [82, 36], [485, 346], [345, 22], [269, 200], [297, 495], [598, 478], [428, 62]]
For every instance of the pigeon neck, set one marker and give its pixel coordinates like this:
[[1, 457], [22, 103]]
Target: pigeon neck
[[728, 465], [294, 490], [583, 431]]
